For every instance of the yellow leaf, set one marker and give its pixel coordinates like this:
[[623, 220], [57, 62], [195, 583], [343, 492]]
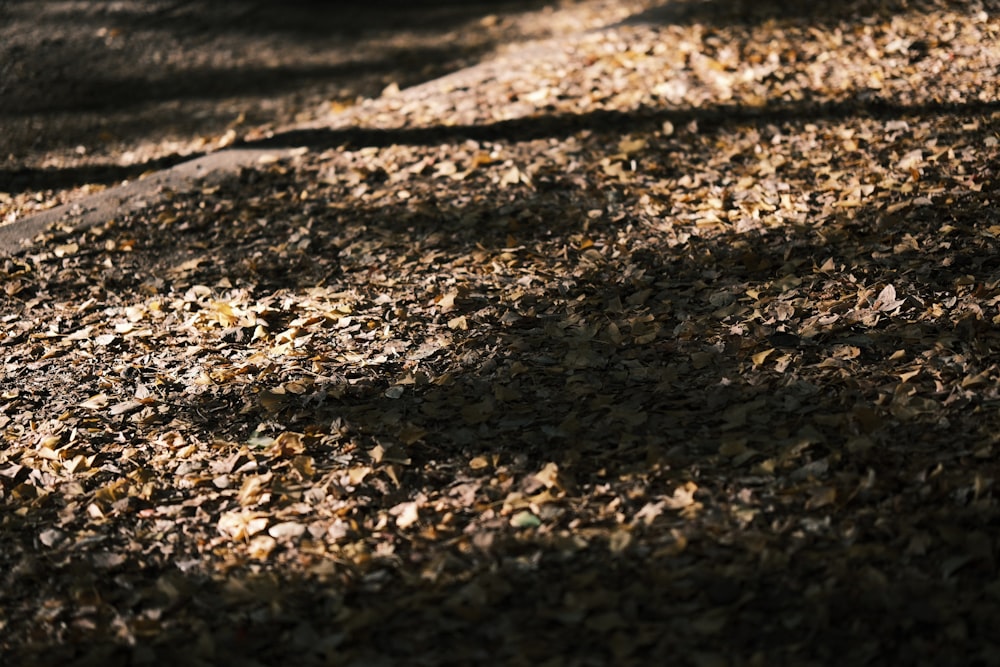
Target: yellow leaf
[[447, 301], [357, 474], [478, 463], [305, 466], [67, 249], [629, 146], [683, 496], [548, 475], [261, 546], [95, 402], [759, 358], [78, 462], [186, 451], [49, 442], [288, 443], [394, 453], [252, 489]]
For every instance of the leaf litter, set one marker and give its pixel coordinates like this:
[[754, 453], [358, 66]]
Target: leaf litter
[[677, 341]]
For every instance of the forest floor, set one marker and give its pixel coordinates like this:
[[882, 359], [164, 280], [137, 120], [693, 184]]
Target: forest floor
[[94, 93], [670, 341]]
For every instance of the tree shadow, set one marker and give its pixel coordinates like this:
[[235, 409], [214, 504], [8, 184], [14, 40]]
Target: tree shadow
[[97, 93], [562, 125], [124, 107], [552, 608], [554, 126], [888, 570], [165, 70], [319, 20], [898, 566], [722, 13]]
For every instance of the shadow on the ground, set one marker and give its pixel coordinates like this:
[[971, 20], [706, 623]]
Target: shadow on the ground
[[842, 583], [555, 126], [591, 607], [108, 103], [560, 126], [721, 13], [96, 92], [111, 76], [319, 20]]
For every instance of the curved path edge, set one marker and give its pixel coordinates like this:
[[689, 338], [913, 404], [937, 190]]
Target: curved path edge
[[113, 202]]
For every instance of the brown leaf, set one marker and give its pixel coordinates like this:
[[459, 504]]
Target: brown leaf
[[286, 444]]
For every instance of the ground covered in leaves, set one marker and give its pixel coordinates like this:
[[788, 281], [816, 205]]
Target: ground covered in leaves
[[673, 341], [93, 93]]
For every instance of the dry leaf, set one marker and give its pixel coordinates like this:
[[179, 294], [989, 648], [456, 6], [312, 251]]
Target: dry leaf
[[286, 444]]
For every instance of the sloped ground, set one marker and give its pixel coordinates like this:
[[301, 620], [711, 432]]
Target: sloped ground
[[674, 341], [94, 93]]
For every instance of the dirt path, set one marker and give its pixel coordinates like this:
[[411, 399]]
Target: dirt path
[[93, 93]]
